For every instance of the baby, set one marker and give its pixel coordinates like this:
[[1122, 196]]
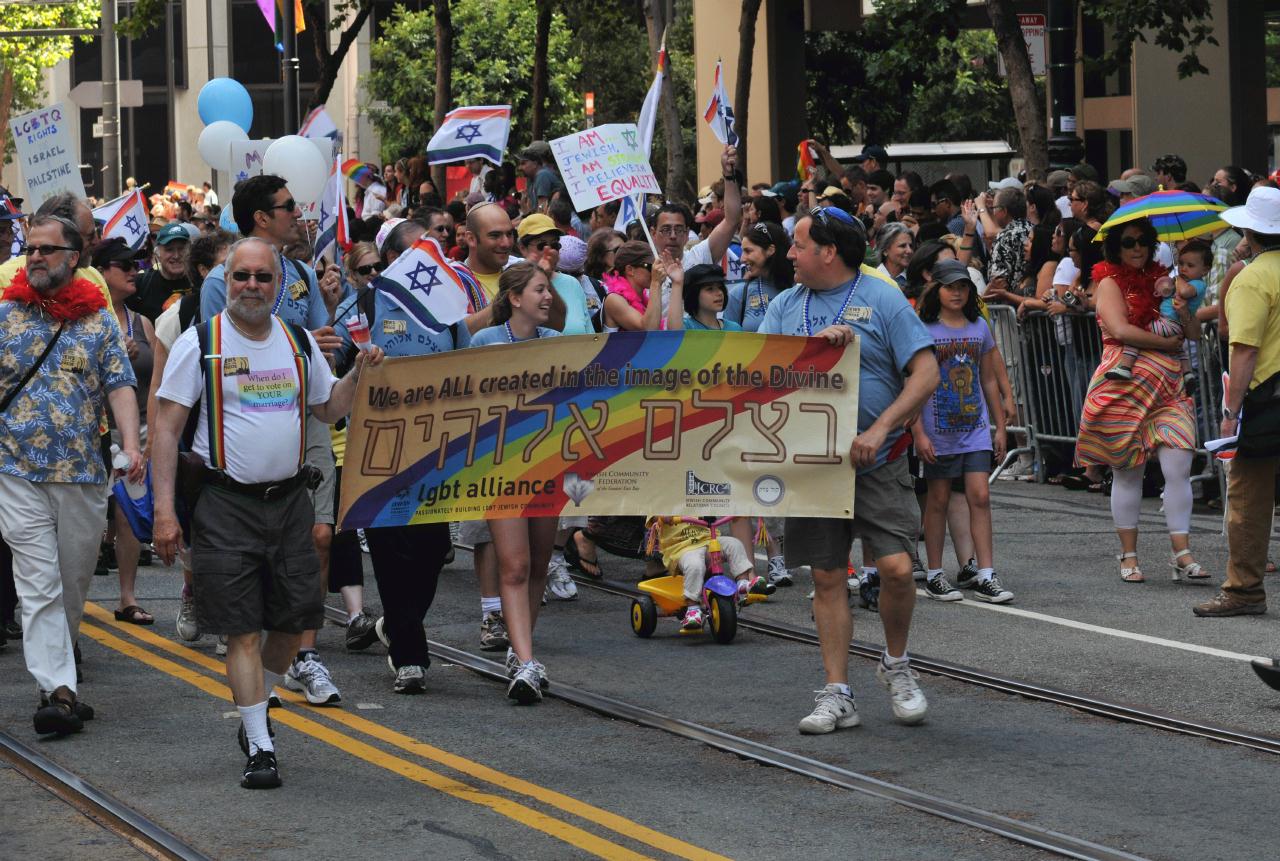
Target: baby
[[684, 546], [1194, 260]]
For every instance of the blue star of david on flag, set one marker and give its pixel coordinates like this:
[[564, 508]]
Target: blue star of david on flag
[[469, 132], [131, 224], [429, 271]]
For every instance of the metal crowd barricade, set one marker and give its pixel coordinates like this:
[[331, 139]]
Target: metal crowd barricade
[[1050, 361]]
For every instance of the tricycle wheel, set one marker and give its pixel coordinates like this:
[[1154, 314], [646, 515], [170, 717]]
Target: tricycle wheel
[[724, 618], [644, 616]]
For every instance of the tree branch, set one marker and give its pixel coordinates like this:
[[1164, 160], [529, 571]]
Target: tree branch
[[329, 68]]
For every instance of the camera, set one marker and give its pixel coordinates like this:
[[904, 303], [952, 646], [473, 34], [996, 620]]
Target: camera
[[1070, 299]]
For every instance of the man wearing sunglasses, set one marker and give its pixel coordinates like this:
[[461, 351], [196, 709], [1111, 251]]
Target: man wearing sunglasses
[[264, 209], [77, 211], [166, 282], [842, 296]]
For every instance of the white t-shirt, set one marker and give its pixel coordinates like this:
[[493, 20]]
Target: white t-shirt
[[477, 181], [261, 420], [375, 199], [1066, 273]]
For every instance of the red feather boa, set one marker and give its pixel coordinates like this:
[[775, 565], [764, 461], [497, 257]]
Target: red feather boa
[[1138, 286], [78, 299]]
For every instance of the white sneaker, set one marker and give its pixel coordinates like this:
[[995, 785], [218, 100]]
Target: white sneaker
[[513, 667], [834, 710], [526, 685], [410, 679], [221, 649], [187, 626], [909, 704], [312, 678], [560, 585], [778, 573]]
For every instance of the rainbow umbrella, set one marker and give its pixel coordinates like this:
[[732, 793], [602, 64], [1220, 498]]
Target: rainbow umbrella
[[356, 170], [1175, 214]]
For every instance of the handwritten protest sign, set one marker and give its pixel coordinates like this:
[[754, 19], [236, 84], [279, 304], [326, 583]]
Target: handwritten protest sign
[[668, 423], [48, 154], [604, 163], [246, 158]]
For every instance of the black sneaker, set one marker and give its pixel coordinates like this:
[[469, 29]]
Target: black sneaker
[[361, 632], [80, 709], [968, 576], [13, 629], [992, 592], [145, 556], [940, 590], [242, 737], [918, 572], [261, 771], [869, 592]]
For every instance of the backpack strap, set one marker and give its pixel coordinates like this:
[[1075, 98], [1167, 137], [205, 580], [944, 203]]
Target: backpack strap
[[300, 344], [188, 310]]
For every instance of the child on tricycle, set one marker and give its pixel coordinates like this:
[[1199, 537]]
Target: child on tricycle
[[692, 548]]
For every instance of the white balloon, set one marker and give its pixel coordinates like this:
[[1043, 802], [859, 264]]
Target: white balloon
[[303, 167], [215, 143]]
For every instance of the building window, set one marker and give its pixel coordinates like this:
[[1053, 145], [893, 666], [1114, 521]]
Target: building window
[[148, 54]]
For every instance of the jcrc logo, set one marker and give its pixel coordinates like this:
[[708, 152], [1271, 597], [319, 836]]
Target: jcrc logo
[[694, 486]]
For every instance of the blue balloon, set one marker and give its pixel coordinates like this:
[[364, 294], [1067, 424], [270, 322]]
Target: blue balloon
[[227, 221], [225, 99]]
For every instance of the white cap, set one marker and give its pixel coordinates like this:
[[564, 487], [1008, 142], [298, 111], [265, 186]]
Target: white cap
[[1007, 182], [1260, 213], [385, 230]]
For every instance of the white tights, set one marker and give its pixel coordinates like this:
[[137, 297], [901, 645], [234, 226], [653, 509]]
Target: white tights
[[1126, 492]]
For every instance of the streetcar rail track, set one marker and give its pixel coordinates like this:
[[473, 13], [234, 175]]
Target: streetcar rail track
[[1011, 829], [1027, 690], [112, 814]]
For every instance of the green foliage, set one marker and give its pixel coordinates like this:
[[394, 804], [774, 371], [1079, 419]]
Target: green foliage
[[682, 68], [1273, 54], [965, 98], [613, 45], [27, 59], [492, 64], [1178, 25]]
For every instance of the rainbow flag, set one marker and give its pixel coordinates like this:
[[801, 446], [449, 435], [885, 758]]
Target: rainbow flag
[[425, 286], [357, 171], [471, 132], [273, 12], [805, 162], [719, 113]]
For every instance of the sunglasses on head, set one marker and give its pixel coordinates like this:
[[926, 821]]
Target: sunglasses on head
[[369, 269], [1131, 242], [261, 277], [823, 213]]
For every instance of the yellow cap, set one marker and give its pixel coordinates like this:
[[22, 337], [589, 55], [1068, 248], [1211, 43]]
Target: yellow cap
[[532, 225]]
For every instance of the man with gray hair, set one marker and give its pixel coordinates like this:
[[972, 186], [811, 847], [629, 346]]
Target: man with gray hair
[[1008, 258], [76, 210], [255, 567], [62, 356]]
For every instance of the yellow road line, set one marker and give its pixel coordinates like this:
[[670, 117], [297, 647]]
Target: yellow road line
[[525, 815], [550, 797]]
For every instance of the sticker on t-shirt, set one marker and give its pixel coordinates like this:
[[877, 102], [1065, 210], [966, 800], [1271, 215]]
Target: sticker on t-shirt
[[394, 327], [268, 391], [235, 365], [857, 314], [74, 363], [298, 289]]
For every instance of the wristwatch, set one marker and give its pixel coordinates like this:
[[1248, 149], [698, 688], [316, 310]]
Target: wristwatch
[[1228, 413]]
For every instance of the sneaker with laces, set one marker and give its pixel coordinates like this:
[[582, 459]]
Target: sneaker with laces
[[991, 591], [909, 704], [1225, 604], [242, 737], [560, 585], [778, 573], [410, 679], [187, 627], [493, 633], [513, 667], [834, 710], [918, 572], [311, 678], [968, 576], [361, 632], [526, 685], [692, 620], [261, 771], [940, 590]]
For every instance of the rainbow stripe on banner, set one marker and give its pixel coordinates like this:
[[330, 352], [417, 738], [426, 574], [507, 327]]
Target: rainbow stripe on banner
[[627, 423]]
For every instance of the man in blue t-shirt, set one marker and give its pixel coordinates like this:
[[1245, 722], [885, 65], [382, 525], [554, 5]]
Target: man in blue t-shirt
[[841, 297], [263, 207], [538, 166]]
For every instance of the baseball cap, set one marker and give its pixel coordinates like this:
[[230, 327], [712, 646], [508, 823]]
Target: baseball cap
[[535, 225], [711, 218], [1007, 182], [1058, 179], [112, 250], [876, 152], [9, 208], [830, 191], [536, 151], [703, 273], [172, 232], [949, 271], [1138, 184], [1083, 170]]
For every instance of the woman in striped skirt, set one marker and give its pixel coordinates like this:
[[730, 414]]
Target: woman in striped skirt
[[1126, 422]]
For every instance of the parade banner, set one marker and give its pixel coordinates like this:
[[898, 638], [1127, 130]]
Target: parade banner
[[672, 423], [603, 164], [48, 154]]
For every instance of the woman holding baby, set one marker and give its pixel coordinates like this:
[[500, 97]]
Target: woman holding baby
[[1126, 422]]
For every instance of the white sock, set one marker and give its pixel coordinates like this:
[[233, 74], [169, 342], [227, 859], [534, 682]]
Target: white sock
[[985, 574], [868, 570], [351, 617], [890, 661], [271, 680], [255, 726], [934, 572], [490, 605], [844, 689]]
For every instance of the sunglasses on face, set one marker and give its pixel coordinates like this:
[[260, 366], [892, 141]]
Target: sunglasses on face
[[369, 269], [241, 277], [1131, 242], [289, 205], [124, 265], [44, 250], [543, 244]]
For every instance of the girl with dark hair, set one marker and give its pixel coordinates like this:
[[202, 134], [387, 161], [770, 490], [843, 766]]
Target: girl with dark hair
[[523, 544], [768, 272], [1042, 207], [1089, 203], [631, 306], [704, 297], [1042, 261], [920, 268], [601, 247], [1126, 422], [1234, 183]]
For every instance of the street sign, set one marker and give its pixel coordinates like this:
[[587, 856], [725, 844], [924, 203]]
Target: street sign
[[88, 94], [1033, 33]]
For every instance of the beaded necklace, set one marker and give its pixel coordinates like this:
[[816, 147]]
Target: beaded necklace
[[848, 297]]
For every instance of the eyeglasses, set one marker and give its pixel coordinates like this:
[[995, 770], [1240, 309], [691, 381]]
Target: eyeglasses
[[289, 205], [672, 230], [543, 244], [1131, 242], [124, 265], [241, 276], [647, 267], [44, 250], [369, 269], [823, 213]]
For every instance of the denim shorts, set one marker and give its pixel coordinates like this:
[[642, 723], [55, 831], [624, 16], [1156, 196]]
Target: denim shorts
[[956, 465]]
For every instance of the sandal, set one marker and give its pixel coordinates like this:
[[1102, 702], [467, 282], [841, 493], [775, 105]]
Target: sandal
[[1270, 567], [1192, 570], [573, 556], [1132, 574], [1075, 482], [135, 615]]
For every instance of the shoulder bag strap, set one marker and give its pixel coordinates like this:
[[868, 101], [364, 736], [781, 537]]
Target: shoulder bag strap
[[31, 372], [209, 335]]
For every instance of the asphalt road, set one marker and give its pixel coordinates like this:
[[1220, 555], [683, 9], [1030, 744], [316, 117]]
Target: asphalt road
[[461, 773]]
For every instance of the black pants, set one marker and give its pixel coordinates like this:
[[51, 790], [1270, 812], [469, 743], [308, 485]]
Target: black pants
[[346, 563], [8, 592], [406, 564]]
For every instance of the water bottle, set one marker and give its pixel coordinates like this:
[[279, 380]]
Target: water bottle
[[120, 460]]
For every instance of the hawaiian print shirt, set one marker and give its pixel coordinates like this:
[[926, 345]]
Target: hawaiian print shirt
[[1008, 257], [49, 433]]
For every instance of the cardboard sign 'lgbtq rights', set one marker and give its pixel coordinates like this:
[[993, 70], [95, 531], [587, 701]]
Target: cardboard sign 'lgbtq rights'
[[603, 164]]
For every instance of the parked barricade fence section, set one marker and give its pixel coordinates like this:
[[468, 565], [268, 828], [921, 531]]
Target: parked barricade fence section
[[1051, 359]]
